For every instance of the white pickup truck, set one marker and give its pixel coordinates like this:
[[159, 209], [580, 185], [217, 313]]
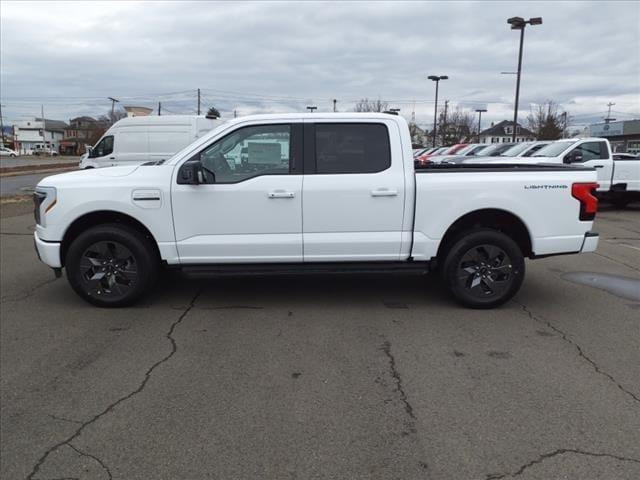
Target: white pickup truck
[[310, 193], [618, 180]]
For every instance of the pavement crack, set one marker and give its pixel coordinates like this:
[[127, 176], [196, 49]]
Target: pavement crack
[[112, 406], [85, 454], [581, 352], [386, 348], [17, 234], [28, 293], [555, 453], [617, 261]]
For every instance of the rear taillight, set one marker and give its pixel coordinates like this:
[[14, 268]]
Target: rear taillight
[[584, 193]]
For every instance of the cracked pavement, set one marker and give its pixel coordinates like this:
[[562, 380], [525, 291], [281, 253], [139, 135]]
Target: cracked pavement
[[352, 377]]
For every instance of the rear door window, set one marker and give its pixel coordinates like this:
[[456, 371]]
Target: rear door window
[[343, 148]]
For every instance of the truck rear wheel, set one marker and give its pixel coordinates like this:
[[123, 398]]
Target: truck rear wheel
[[111, 265], [483, 268]]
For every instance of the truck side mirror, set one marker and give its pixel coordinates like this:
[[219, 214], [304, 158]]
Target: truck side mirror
[[575, 156], [190, 173]]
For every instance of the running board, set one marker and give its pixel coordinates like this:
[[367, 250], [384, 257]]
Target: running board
[[311, 268]]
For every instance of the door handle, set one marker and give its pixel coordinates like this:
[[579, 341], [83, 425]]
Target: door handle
[[383, 192], [281, 194], [598, 166]]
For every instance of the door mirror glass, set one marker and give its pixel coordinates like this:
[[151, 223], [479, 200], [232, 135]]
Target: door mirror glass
[[192, 173]]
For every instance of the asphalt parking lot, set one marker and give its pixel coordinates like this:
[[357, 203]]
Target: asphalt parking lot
[[324, 378]]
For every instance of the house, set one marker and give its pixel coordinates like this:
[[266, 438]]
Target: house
[[502, 132], [81, 131], [39, 133]]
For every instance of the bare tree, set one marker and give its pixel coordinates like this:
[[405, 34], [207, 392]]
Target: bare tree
[[366, 105], [107, 119], [545, 121], [458, 127]]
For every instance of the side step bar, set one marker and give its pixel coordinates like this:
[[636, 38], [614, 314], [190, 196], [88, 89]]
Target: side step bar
[[304, 268]]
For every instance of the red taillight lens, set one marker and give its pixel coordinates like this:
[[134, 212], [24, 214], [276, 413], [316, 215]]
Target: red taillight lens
[[584, 193]]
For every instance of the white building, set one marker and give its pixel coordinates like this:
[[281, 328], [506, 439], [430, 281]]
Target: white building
[[34, 133], [502, 132]]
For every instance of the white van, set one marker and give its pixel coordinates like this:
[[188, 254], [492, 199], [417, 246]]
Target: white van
[[137, 140]]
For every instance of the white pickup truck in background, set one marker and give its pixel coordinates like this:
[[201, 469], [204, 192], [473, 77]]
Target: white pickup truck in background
[[618, 180], [310, 193]]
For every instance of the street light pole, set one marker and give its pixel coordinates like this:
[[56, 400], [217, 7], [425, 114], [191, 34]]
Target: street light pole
[[312, 108], [480, 110], [436, 78], [519, 23]]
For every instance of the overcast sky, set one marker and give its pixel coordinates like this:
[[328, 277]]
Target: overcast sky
[[282, 56]]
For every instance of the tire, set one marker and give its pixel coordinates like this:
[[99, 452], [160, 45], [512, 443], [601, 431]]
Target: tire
[[484, 268], [111, 265]]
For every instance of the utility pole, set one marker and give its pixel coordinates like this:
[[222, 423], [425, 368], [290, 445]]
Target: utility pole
[[113, 106], [413, 112], [564, 124], [235, 114], [198, 101], [44, 125], [444, 123], [334, 105], [159, 108], [1, 128], [608, 119]]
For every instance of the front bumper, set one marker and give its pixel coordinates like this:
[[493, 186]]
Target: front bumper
[[48, 252], [590, 242]]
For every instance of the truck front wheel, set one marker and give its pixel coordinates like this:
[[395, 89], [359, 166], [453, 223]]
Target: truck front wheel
[[483, 268], [111, 265]]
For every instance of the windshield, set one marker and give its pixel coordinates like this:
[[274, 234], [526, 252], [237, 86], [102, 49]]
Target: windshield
[[515, 150], [465, 150], [495, 149], [553, 149]]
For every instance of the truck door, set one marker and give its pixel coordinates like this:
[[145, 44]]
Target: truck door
[[594, 154], [246, 209], [102, 154], [353, 191]]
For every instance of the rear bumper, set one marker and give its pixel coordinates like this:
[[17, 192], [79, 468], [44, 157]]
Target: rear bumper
[[590, 242], [48, 252]]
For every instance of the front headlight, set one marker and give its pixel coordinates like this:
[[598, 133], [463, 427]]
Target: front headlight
[[44, 199]]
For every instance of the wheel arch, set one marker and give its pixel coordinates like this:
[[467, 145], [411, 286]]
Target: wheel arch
[[102, 217], [494, 218]]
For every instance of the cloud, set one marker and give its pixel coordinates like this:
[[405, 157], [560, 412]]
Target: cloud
[[281, 56]]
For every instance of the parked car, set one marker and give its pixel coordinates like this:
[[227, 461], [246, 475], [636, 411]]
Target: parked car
[[425, 157], [7, 152], [424, 151], [365, 209], [472, 149], [618, 180], [137, 140], [525, 149], [44, 150]]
